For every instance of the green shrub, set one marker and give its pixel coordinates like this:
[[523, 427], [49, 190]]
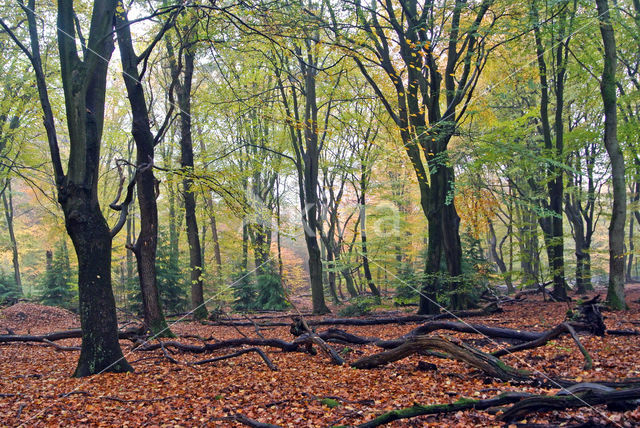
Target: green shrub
[[244, 292], [270, 295], [358, 306], [8, 288], [58, 288], [408, 284], [171, 280]]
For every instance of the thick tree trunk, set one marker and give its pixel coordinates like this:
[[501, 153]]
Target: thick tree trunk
[[615, 293], [444, 238], [92, 241]]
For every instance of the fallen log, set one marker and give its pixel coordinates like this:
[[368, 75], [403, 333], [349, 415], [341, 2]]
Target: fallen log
[[61, 335], [579, 395], [285, 346], [589, 398], [410, 319], [545, 338], [462, 404], [430, 327], [487, 363]]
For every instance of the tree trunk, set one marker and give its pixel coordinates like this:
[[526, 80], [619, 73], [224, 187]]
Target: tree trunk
[[214, 233], [363, 235], [198, 307], [92, 241], [310, 169], [615, 292], [498, 260], [8, 215], [146, 245], [631, 249]]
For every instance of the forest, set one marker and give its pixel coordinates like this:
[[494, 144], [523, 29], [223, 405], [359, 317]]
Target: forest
[[275, 213]]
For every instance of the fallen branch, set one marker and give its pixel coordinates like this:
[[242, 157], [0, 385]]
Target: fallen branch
[[231, 343], [489, 364], [61, 335], [462, 404], [310, 337], [60, 347], [259, 351], [589, 398], [487, 310], [544, 338], [623, 332], [242, 419]]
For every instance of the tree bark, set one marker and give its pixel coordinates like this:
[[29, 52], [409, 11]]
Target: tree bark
[[7, 202], [498, 260], [615, 292], [145, 247], [183, 90]]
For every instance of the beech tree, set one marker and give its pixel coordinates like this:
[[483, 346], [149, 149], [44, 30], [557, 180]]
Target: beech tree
[[84, 78], [145, 246], [457, 38], [615, 292]]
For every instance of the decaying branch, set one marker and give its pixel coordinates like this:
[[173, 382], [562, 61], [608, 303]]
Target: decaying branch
[[258, 351], [489, 364]]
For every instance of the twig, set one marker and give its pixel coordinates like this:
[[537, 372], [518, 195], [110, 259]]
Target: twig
[[60, 347], [257, 328], [259, 351], [166, 354]]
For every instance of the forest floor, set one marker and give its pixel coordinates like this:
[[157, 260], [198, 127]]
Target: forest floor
[[36, 388]]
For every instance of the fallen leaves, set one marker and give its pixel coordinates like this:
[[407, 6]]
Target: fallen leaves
[[37, 390]]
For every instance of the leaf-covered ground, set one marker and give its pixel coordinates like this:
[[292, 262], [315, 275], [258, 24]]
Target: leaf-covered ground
[[36, 388]]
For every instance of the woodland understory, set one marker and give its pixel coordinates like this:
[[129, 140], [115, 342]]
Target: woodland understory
[[174, 387]]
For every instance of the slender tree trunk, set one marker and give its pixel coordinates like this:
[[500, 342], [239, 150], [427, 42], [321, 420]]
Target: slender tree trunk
[[7, 202], [615, 292], [552, 226], [497, 259], [631, 249], [214, 236], [311, 160], [183, 90], [363, 237], [278, 236], [145, 247], [245, 245], [174, 239]]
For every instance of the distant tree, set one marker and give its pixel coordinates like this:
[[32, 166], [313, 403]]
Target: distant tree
[[57, 286], [8, 289], [171, 281], [269, 290]]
